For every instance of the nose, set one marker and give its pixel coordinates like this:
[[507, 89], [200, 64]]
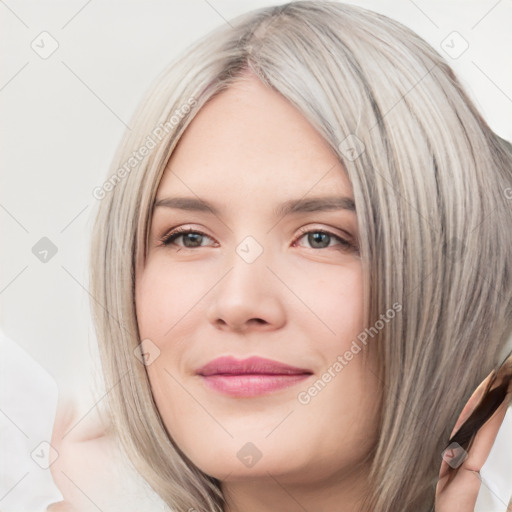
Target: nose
[[248, 297]]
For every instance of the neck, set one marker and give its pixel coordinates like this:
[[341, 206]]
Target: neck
[[341, 492]]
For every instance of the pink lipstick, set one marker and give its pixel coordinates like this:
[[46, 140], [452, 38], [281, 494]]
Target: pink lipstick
[[250, 377]]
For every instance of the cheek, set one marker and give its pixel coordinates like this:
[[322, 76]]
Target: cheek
[[324, 304], [164, 294], [336, 304]]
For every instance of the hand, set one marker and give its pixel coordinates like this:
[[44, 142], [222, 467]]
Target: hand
[[460, 494], [91, 472], [85, 451]]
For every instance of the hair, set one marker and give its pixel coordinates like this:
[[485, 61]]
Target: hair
[[431, 184]]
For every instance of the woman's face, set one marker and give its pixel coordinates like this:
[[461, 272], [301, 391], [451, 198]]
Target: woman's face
[[252, 280]]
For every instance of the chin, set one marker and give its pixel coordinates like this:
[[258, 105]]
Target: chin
[[242, 460]]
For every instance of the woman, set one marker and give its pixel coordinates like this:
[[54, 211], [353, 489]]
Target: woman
[[301, 270]]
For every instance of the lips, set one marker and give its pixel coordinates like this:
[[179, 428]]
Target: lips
[[252, 365], [250, 377]]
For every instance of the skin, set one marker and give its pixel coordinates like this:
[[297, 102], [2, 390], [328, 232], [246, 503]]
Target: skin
[[249, 150], [90, 471], [201, 303], [87, 456], [461, 494]]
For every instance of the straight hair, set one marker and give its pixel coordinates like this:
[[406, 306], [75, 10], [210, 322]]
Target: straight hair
[[432, 187]]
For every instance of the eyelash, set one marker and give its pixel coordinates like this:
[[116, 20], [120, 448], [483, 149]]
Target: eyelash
[[170, 237]]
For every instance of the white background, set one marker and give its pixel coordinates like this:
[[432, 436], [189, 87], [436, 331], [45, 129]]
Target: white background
[[62, 118]]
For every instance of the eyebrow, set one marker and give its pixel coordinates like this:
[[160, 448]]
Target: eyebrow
[[292, 206]]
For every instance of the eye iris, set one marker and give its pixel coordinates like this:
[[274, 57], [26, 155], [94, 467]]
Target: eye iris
[[316, 237], [194, 237]]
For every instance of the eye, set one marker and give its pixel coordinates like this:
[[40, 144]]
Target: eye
[[318, 238], [321, 238], [195, 237]]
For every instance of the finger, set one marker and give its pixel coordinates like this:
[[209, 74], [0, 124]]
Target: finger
[[472, 402], [61, 506], [485, 438], [464, 487], [453, 454], [459, 491]]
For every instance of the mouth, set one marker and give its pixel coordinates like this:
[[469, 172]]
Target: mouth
[[250, 377]]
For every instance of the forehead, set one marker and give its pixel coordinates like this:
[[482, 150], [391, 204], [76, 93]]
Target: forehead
[[248, 140]]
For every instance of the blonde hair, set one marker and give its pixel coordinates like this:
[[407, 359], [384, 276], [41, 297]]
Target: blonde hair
[[430, 183]]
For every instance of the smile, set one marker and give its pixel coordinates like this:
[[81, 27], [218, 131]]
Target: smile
[[250, 377], [246, 385]]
